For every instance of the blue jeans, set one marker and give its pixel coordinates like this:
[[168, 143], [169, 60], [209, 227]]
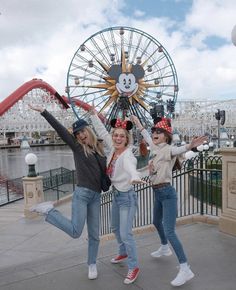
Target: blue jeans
[[164, 219], [85, 205], [124, 206]]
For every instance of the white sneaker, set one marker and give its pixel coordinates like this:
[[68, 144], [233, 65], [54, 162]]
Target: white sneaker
[[43, 207], [164, 250], [92, 271], [182, 277]]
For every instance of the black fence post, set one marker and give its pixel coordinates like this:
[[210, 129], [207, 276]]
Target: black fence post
[[201, 184], [57, 187], [8, 194]]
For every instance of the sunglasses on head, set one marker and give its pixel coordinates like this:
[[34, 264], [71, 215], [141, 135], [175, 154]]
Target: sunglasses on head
[[157, 130]]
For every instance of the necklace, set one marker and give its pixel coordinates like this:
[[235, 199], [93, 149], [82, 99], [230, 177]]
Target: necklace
[[117, 154]]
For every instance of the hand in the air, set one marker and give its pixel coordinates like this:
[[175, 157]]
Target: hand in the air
[[36, 108]]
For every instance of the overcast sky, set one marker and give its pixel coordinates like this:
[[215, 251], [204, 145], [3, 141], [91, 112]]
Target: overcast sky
[[40, 37]]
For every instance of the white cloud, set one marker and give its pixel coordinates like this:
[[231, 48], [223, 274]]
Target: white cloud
[[39, 39], [139, 13], [212, 17]]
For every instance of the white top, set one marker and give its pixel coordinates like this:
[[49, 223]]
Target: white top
[[125, 166], [163, 158]]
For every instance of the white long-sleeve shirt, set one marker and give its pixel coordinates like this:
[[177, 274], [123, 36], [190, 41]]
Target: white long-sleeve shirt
[[125, 166]]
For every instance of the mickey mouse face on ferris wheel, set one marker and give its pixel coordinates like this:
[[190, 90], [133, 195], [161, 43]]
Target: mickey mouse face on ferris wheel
[[126, 82]]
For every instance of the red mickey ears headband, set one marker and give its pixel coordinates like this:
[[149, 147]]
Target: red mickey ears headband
[[164, 123], [118, 123]]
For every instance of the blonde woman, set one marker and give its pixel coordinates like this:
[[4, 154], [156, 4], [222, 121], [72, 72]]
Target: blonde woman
[[121, 167], [86, 197]]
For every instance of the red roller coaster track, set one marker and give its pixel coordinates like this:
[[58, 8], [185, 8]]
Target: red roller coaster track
[[18, 94]]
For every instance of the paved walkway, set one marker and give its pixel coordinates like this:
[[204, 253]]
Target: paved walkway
[[37, 256]]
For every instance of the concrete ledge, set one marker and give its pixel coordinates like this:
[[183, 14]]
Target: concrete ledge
[[227, 225], [198, 218]]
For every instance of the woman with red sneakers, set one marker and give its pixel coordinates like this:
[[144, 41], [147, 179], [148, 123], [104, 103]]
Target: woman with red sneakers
[[121, 167], [165, 197]]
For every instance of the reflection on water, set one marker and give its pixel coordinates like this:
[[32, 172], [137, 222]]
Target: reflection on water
[[12, 161]]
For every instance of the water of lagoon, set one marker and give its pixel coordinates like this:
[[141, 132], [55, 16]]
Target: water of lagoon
[[12, 161]]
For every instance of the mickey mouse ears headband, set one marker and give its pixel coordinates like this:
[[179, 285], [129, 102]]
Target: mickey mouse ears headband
[[163, 124], [118, 123]]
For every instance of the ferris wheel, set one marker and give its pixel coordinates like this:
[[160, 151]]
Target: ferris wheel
[[122, 71]]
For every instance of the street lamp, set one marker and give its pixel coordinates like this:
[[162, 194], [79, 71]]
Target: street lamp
[[211, 146], [200, 148], [205, 147], [232, 141], [30, 160]]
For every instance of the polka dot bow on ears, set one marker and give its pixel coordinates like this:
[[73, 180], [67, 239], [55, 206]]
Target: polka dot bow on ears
[[118, 123], [165, 124]]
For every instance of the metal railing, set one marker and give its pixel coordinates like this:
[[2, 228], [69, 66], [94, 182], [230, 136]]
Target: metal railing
[[57, 183], [198, 187], [11, 190], [199, 183]]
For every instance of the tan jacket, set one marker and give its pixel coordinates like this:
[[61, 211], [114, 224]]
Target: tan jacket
[[163, 163], [163, 156]]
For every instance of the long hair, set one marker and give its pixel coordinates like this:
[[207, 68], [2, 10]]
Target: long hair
[[168, 137], [177, 164], [143, 150], [94, 146]]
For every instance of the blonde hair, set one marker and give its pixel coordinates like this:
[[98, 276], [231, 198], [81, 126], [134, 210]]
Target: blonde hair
[[127, 135], [94, 146]]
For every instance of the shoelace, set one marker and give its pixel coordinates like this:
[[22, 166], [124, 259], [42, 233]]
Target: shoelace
[[130, 274]]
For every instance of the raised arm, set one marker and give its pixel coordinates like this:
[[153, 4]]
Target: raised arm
[[195, 142], [36, 108], [100, 129], [65, 135], [143, 131]]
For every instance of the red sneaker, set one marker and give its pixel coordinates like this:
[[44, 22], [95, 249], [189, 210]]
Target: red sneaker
[[118, 259], [132, 276]]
